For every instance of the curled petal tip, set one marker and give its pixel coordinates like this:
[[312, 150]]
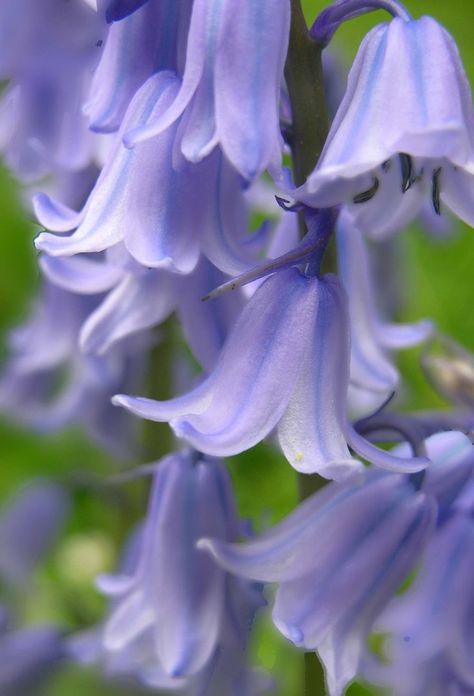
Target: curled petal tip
[[293, 633], [120, 400]]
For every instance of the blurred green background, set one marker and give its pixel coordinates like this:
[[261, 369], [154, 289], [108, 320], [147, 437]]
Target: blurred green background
[[437, 282]]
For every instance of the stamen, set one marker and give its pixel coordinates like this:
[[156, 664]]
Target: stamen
[[435, 191], [367, 195], [386, 165], [406, 165]]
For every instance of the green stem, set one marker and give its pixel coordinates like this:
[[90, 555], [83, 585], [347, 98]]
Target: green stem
[[304, 79], [157, 439]]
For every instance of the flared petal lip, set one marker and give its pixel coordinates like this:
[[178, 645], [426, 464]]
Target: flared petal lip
[[325, 175]]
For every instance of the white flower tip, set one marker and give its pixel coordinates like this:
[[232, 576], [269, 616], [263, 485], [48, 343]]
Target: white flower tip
[[120, 400], [293, 633], [206, 544]]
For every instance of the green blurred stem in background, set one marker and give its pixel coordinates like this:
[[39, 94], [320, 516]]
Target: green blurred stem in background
[[309, 129]]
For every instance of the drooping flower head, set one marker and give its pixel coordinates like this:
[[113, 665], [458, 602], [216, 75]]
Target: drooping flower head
[[398, 140]]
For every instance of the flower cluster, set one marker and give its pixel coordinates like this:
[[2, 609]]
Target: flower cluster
[[154, 134]]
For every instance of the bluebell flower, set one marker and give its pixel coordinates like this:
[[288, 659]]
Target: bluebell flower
[[42, 127], [177, 601], [139, 298], [429, 647], [342, 554], [373, 375], [48, 383], [29, 525], [231, 84], [163, 208], [28, 657], [286, 363], [397, 141], [148, 41]]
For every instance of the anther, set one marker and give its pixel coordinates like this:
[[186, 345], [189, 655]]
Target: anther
[[406, 165], [367, 195], [435, 191]]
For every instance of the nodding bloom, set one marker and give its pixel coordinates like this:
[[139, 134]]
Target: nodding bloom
[[429, 639], [42, 127], [164, 209], [48, 383], [285, 363], [28, 657], [398, 140], [373, 376], [29, 525], [140, 298], [148, 41], [342, 554], [176, 599], [231, 84]]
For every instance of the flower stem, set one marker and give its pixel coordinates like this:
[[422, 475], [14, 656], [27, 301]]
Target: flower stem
[[304, 79]]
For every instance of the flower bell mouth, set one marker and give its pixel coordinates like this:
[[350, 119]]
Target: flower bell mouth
[[408, 178]]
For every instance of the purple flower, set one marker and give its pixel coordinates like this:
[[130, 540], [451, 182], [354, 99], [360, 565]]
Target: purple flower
[[163, 208], [45, 350], [430, 648], [286, 363], [373, 376], [116, 10], [177, 600], [338, 559], [146, 42], [397, 141], [28, 656], [140, 298], [42, 127], [231, 84], [29, 525]]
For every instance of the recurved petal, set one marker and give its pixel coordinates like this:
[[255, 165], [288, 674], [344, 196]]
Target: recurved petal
[[81, 274], [311, 432], [248, 75], [136, 195], [128, 620], [396, 336], [55, 216], [391, 461], [136, 47], [201, 37], [139, 302]]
